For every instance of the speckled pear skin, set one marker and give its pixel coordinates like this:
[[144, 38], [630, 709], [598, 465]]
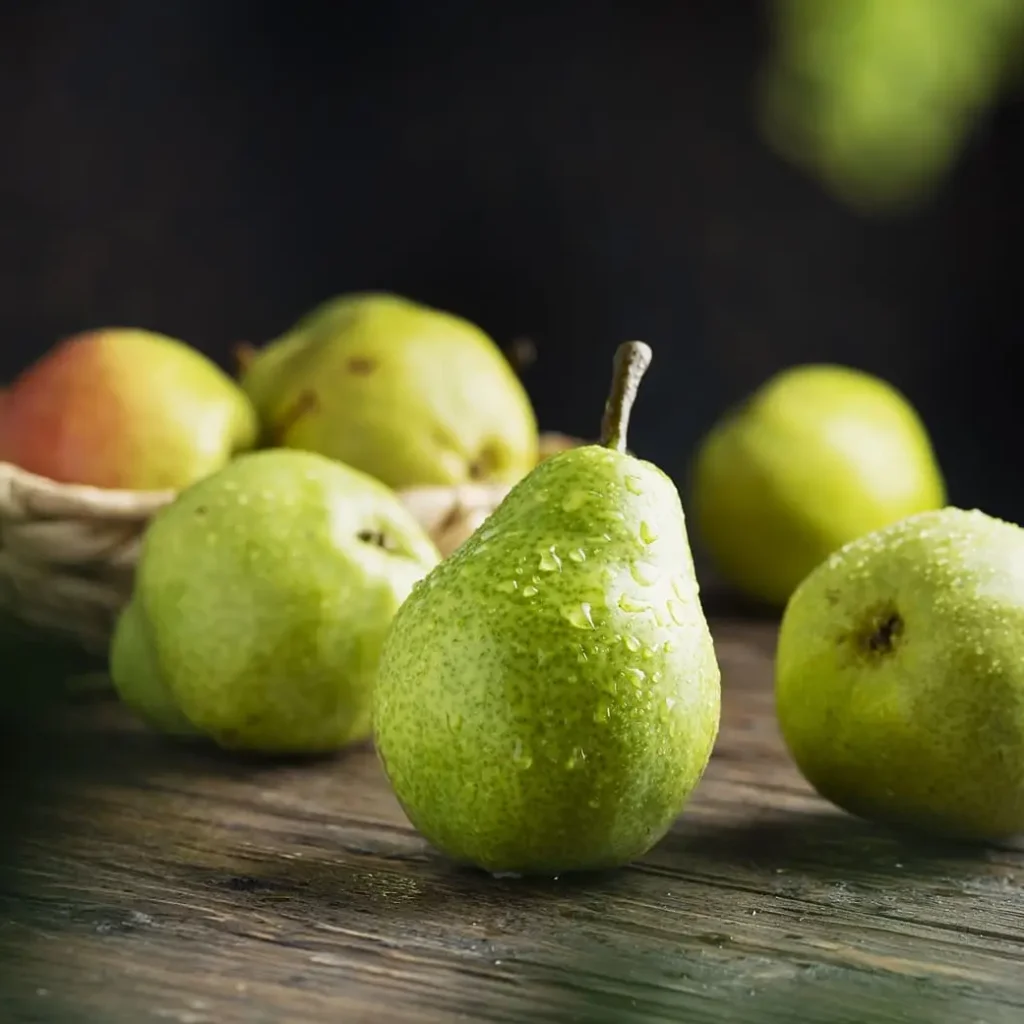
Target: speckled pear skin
[[265, 610], [549, 695], [900, 675]]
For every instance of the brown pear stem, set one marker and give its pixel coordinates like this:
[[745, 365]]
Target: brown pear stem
[[522, 354], [244, 354], [631, 361]]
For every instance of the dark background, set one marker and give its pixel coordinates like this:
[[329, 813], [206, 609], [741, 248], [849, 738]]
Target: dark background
[[582, 174]]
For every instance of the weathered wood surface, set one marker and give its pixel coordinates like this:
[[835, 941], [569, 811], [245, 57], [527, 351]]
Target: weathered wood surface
[[149, 882]]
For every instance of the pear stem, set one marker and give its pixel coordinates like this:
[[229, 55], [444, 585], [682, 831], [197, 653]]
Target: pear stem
[[631, 361], [244, 354], [522, 354]]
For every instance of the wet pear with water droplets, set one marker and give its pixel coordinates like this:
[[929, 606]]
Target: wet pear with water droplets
[[900, 675], [567, 639]]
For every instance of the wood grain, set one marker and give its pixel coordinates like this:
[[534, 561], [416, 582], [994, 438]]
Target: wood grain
[[153, 882]]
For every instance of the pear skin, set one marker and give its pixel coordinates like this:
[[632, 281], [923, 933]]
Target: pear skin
[[262, 597], [816, 457], [124, 408], [137, 679], [900, 675], [412, 395], [549, 695]]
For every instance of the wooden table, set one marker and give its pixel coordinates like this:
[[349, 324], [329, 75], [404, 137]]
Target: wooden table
[[147, 882]]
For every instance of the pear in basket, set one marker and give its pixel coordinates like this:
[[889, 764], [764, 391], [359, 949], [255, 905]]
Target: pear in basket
[[261, 600], [409, 394], [124, 408]]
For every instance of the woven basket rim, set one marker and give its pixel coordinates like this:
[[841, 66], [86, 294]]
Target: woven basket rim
[[112, 501], [18, 484], [67, 551]]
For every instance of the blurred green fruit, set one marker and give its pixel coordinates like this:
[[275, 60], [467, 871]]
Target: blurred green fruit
[[409, 394], [816, 457]]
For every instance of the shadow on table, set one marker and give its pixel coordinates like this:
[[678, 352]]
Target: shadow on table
[[403, 877], [33, 670], [829, 845]]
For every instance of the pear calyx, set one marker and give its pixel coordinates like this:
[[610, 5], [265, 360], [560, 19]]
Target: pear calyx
[[631, 361]]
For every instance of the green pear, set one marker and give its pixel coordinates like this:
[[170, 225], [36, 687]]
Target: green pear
[[261, 601], [549, 695], [900, 675], [409, 394], [138, 678], [816, 457], [124, 408]]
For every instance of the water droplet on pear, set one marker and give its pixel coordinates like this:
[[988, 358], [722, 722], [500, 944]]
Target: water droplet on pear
[[643, 573], [521, 756], [631, 605], [579, 615], [549, 561], [635, 675], [677, 610]]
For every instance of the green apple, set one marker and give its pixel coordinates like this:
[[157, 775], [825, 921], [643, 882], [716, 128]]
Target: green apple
[[816, 457], [900, 675]]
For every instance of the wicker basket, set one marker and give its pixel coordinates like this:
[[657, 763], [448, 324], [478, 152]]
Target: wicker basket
[[68, 552]]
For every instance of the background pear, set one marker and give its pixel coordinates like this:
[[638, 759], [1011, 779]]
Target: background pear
[[124, 408], [549, 695], [816, 457], [409, 394], [261, 601], [140, 682], [900, 675]]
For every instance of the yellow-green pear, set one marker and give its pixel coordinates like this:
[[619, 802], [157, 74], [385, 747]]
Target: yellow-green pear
[[900, 675], [261, 601], [124, 408], [814, 458], [549, 695], [410, 394]]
